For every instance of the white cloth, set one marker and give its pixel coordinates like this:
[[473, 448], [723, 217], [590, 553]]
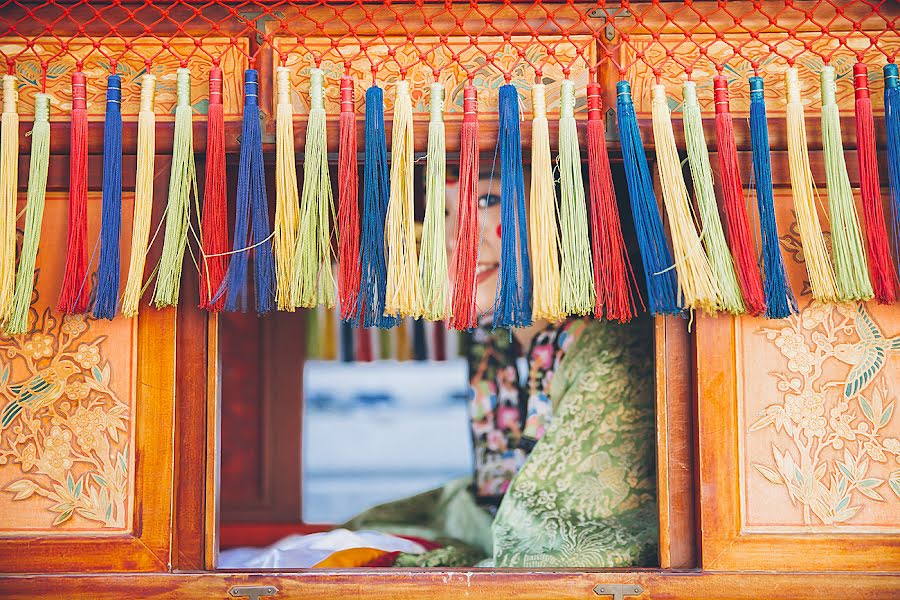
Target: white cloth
[[305, 551]]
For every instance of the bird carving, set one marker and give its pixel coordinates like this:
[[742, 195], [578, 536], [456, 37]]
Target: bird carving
[[42, 389], [868, 356]]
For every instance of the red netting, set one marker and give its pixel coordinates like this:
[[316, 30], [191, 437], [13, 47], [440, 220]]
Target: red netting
[[485, 42]]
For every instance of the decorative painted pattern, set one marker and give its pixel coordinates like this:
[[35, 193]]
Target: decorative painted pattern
[[130, 66]]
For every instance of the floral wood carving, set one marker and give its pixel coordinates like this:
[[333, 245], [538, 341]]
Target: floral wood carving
[[832, 454], [62, 425]]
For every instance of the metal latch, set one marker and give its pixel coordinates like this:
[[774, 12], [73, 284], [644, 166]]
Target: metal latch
[[618, 591], [253, 592]]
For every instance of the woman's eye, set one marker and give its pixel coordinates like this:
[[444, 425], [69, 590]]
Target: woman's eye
[[488, 200]]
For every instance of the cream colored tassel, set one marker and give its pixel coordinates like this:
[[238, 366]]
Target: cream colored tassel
[[9, 182], [287, 203]]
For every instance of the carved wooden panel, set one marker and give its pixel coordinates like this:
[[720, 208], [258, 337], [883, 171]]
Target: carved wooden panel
[[131, 65]]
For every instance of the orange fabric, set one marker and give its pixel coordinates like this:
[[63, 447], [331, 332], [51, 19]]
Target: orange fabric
[[350, 558]]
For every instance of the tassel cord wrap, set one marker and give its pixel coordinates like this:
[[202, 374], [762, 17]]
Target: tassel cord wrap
[[182, 182], [313, 281], [373, 282], [433, 264], [818, 265], [662, 285], [512, 305], [107, 291], [892, 127], [348, 204], [743, 247], [695, 276], [465, 256], [543, 216], [9, 191], [143, 197], [701, 174], [287, 201], [403, 295], [251, 224], [34, 215], [577, 294], [780, 301], [881, 271], [613, 275], [850, 265], [214, 222]]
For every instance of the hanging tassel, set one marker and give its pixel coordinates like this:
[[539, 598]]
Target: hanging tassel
[[577, 293], [403, 296], [544, 232], [252, 214], [662, 285], [34, 215], [373, 284], [143, 197], [513, 300], [107, 293], [182, 181], [892, 127], [465, 258], [780, 301], [883, 276], [73, 296], [818, 265], [743, 248], [313, 279], [287, 201], [695, 276], [701, 174], [348, 204], [433, 266], [9, 190], [850, 264], [215, 201], [612, 269]]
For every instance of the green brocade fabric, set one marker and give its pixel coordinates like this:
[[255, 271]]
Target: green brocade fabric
[[586, 496]]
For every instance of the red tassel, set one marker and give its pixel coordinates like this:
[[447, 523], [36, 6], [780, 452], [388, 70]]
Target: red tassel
[[612, 269], [742, 247], [465, 259], [881, 270], [348, 204], [73, 297], [215, 202]]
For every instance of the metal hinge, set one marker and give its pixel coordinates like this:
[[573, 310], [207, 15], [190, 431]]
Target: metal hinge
[[253, 592], [618, 591]]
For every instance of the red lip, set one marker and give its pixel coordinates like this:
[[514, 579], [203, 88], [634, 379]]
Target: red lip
[[485, 271]]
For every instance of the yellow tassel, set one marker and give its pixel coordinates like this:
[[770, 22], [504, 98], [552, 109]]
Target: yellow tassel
[[818, 265], [143, 197], [287, 209], [433, 266], [9, 182], [403, 297], [695, 277], [544, 239], [313, 282]]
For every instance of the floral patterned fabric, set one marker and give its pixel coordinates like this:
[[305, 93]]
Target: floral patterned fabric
[[586, 496]]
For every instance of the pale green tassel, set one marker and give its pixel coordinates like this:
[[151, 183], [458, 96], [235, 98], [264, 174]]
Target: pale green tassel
[[576, 273], [701, 173], [851, 269], [34, 215], [313, 282], [182, 181], [433, 264]]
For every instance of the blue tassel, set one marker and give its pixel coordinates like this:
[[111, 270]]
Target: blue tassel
[[892, 125], [373, 282], [513, 301], [780, 301], [252, 214], [107, 296], [659, 271]]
